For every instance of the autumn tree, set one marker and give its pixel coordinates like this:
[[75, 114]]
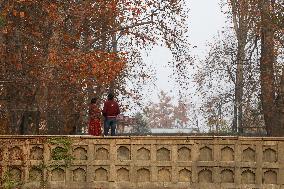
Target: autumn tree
[[141, 126], [168, 114], [242, 18], [56, 55], [182, 114], [269, 90], [247, 65], [269, 28], [216, 82], [161, 114]]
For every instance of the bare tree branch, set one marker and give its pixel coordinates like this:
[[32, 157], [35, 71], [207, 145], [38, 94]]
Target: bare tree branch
[[116, 30]]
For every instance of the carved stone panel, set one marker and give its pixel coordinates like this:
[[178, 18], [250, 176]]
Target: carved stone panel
[[227, 176], [36, 153], [123, 153], [248, 177], [58, 153], [143, 154], [58, 175], [206, 154], [163, 154], [227, 154], [248, 155], [164, 175], [269, 155], [184, 175], [80, 153], [16, 174], [101, 174], [184, 154], [101, 153], [15, 153], [35, 175], [270, 177], [205, 176], [79, 175], [122, 175], [143, 175], [144, 162]]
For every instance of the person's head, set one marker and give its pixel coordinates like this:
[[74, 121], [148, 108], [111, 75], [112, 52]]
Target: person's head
[[94, 100], [110, 96]]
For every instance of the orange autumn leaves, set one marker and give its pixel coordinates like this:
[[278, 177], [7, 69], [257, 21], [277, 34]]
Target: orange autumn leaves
[[102, 66], [107, 66], [73, 63]]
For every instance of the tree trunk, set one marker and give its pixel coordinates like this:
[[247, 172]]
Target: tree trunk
[[4, 117], [280, 108], [241, 29], [266, 69], [239, 85], [115, 50]]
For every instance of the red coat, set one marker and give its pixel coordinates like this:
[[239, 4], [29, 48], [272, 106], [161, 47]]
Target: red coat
[[111, 108], [94, 112], [94, 122]]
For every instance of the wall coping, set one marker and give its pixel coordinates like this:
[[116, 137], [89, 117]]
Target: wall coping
[[148, 137]]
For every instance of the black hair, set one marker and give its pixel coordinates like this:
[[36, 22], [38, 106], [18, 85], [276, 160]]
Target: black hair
[[110, 96], [94, 100]]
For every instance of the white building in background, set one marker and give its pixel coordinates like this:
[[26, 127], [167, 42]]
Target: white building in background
[[126, 123], [174, 130]]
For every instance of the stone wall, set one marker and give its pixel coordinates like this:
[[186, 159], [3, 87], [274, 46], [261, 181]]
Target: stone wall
[[144, 162]]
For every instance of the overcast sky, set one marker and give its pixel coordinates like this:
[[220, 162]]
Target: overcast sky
[[205, 20]]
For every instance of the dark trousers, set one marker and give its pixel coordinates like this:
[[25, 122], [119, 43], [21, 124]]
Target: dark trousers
[[110, 123]]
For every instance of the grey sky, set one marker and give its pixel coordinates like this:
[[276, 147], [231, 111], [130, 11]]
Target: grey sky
[[205, 20]]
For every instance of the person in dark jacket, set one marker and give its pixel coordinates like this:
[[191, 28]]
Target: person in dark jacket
[[110, 112]]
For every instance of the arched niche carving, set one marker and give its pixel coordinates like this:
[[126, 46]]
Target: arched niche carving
[[143, 175], [123, 153], [35, 175], [206, 154], [143, 154], [227, 154], [205, 176], [102, 154], [16, 174], [163, 154], [184, 154], [15, 153], [79, 175], [101, 174], [36, 153], [58, 175], [248, 177], [270, 177], [269, 155], [122, 175], [249, 155], [184, 175], [58, 153], [164, 175], [80, 153], [227, 176]]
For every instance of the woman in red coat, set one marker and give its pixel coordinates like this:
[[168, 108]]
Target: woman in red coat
[[95, 119]]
